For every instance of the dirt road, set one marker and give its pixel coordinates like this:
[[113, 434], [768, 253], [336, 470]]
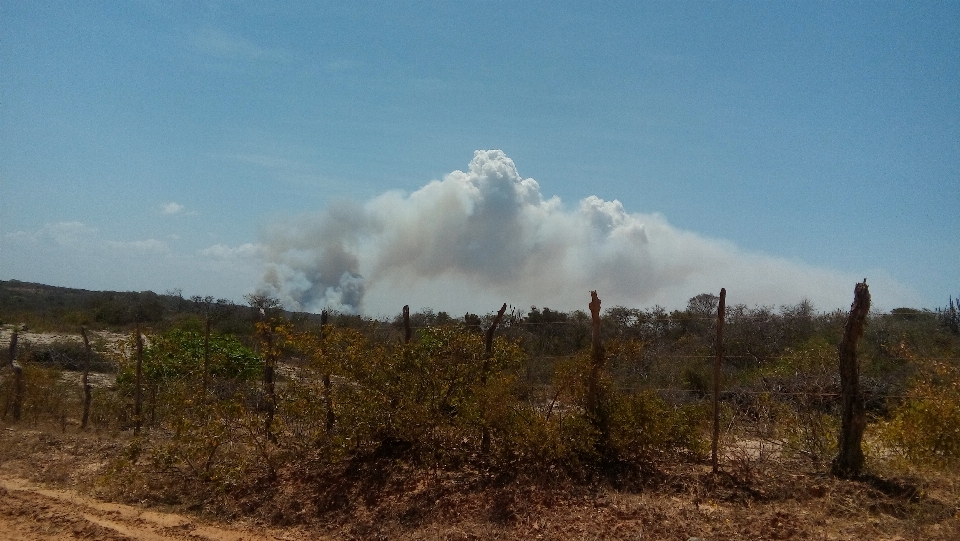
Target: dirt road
[[32, 513]]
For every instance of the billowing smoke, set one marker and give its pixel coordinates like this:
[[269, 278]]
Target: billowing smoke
[[479, 238]]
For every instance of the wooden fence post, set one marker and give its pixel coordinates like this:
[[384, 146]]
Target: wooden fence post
[[137, 392], [716, 378], [849, 460], [87, 391], [19, 386], [206, 359], [484, 372], [327, 387], [594, 401], [269, 386]]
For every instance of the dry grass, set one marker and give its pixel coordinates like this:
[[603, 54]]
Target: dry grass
[[760, 495]]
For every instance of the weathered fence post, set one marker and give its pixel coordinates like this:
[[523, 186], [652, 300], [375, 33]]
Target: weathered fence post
[[269, 386], [849, 460], [206, 359], [406, 324], [327, 390], [484, 372], [594, 401], [716, 378], [137, 392], [87, 391], [19, 386]]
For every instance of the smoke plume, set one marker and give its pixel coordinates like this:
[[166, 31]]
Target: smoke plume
[[484, 236]]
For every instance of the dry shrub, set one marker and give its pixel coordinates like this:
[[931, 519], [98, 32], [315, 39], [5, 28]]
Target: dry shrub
[[633, 427], [811, 434], [645, 427], [48, 397], [925, 428]]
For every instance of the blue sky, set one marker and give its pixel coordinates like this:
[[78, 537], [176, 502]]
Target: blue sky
[[159, 145]]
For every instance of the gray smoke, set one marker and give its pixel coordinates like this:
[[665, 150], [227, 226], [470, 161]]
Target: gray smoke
[[478, 238]]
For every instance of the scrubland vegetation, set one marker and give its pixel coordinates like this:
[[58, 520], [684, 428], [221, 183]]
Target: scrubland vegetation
[[253, 411]]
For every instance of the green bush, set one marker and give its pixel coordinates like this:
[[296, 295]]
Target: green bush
[[179, 353]]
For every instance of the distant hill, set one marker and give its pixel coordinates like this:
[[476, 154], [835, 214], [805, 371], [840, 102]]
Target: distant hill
[[64, 308]]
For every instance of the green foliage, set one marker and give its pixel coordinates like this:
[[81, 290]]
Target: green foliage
[[179, 353]]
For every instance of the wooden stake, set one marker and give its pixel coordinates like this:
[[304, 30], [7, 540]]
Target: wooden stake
[[268, 381], [487, 355], [327, 387], [596, 366], [849, 460], [87, 391], [716, 378], [206, 359], [19, 386], [138, 394]]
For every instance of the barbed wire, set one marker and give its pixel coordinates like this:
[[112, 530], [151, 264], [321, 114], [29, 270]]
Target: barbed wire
[[680, 318], [725, 357]]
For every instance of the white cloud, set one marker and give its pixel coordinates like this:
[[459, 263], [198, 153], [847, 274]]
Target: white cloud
[[478, 238], [224, 252], [284, 169], [140, 246], [70, 234], [171, 208], [220, 44], [78, 235]]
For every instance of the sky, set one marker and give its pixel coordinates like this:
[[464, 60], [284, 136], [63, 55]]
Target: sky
[[360, 156]]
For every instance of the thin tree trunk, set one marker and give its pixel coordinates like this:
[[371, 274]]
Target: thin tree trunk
[[849, 460], [716, 378], [87, 391], [138, 392], [487, 355]]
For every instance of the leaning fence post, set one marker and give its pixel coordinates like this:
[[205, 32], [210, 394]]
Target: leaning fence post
[[849, 460], [716, 378], [487, 355], [87, 394]]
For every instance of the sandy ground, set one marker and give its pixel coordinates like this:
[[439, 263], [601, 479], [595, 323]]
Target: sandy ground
[[29, 512]]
